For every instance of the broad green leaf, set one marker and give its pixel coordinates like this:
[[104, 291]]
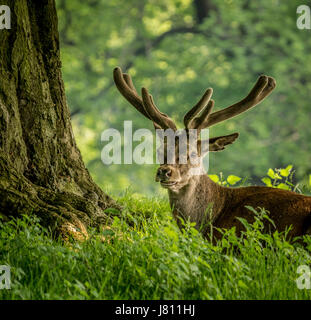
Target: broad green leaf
[[273, 175], [267, 181], [285, 172], [214, 177], [283, 186], [233, 179], [310, 179]]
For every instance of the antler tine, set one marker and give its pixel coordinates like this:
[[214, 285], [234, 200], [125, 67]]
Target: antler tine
[[145, 106], [158, 117], [125, 85], [156, 126], [190, 115], [129, 82], [198, 123], [263, 87], [156, 108]]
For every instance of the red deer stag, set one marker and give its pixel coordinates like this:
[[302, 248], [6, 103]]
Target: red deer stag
[[191, 195]]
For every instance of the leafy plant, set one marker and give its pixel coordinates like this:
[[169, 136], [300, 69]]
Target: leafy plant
[[231, 180], [281, 179]]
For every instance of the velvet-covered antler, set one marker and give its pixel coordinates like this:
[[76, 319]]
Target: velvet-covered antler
[[144, 105], [259, 92]]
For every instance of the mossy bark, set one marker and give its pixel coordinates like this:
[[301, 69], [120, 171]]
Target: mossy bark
[[41, 169]]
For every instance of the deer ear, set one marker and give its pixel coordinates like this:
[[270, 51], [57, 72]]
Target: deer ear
[[219, 143]]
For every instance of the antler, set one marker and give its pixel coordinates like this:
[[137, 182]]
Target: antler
[[200, 115], [260, 91], [144, 105], [203, 102]]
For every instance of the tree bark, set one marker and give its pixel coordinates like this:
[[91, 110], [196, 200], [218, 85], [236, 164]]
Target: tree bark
[[41, 169]]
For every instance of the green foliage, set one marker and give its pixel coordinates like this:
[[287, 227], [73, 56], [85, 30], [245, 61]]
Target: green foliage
[[144, 255], [230, 181], [239, 40], [281, 179]]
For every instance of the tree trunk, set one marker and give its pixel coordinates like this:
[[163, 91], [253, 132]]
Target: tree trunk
[[41, 169]]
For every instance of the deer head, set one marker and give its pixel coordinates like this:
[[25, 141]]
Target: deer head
[[175, 174]]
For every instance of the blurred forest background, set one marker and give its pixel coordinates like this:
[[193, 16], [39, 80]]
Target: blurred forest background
[[178, 48]]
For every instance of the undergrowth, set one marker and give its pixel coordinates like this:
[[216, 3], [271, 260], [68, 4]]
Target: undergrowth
[[144, 255]]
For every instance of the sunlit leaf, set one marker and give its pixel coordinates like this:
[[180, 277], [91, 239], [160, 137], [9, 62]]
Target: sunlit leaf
[[273, 175], [267, 181], [233, 179], [283, 186], [285, 172], [214, 177]]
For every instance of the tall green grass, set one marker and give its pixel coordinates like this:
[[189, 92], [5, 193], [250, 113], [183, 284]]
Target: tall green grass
[[143, 255]]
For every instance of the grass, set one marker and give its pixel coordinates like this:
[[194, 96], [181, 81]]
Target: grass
[[145, 256]]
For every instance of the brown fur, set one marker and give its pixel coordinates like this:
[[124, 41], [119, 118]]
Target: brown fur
[[286, 208]]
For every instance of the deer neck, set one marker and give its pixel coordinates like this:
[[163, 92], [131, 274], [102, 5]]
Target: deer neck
[[200, 194]]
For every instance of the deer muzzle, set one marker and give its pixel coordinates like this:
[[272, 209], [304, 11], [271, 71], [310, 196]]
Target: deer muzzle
[[164, 174]]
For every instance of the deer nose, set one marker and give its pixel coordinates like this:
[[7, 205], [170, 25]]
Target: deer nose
[[164, 173]]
